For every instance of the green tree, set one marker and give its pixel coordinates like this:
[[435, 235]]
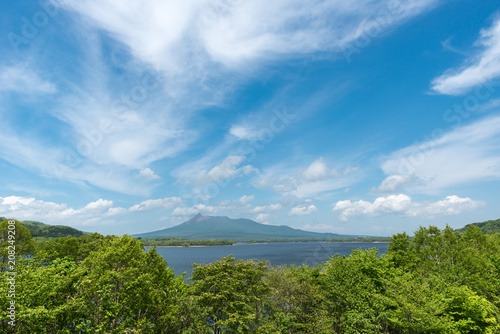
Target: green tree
[[401, 251], [15, 240], [231, 293], [415, 304], [295, 301], [352, 287], [470, 312], [74, 248], [45, 301], [117, 288], [123, 288]]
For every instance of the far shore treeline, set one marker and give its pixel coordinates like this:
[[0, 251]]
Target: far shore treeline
[[437, 281]]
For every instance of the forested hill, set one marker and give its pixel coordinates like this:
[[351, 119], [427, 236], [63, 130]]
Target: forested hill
[[208, 227], [489, 226], [38, 229]]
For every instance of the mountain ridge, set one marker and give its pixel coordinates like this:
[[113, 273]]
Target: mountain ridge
[[238, 229]]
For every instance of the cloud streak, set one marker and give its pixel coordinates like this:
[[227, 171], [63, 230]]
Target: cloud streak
[[21, 79], [466, 154], [476, 71], [176, 33]]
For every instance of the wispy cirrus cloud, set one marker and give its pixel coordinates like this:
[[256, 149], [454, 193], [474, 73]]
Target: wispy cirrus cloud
[[483, 67], [105, 133], [394, 182], [22, 79], [470, 153], [184, 48], [166, 203], [226, 32]]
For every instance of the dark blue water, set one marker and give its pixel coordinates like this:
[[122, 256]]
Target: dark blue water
[[277, 253]]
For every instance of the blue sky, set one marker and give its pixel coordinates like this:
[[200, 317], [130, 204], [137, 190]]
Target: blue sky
[[356, 117]]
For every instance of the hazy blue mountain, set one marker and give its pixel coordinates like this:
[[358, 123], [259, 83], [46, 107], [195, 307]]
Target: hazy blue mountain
[[208, 227]]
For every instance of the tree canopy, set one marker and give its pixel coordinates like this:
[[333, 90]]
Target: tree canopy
[[438, 281]]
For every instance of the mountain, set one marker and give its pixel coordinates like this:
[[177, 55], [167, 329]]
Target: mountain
[[38, 229], [208, 227], [488, 226]]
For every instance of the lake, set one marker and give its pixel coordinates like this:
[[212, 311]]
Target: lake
[[277, 253]]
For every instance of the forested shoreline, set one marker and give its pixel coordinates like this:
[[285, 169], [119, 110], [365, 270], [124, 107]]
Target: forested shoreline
[[179, 242], [438, 281]]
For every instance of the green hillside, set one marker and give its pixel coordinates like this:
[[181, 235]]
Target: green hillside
[[489, 226], [207, 227], [41, 230]]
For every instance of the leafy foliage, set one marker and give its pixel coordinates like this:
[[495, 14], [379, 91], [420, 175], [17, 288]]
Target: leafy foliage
[[231, 294], [489, 226], [436, 282], [15, 240]]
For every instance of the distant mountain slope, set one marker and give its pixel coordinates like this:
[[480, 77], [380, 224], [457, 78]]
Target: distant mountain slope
[[207, 227], [38, 229], [488, 226]]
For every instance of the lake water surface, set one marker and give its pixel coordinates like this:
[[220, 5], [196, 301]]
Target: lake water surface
[[277, 253]]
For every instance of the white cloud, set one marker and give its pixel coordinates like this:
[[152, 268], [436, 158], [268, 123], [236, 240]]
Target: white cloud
[[148, 174], [243, 132], [100, 206], [280, 184], [263, 218], [227, 170], [20, 79], [199, 208], [314, 179], [244, 200], [403, 204], [195, 46], [476, 71], [394, 182], [167, 203], [319, 171], [266, 208], [303, 210], [451, 205], [13, 204], [309, 189], [466, 154], [100, 138], [238, 32], [289, 26], [491, 104], [28, 208], [323, 228], [65, 165]]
